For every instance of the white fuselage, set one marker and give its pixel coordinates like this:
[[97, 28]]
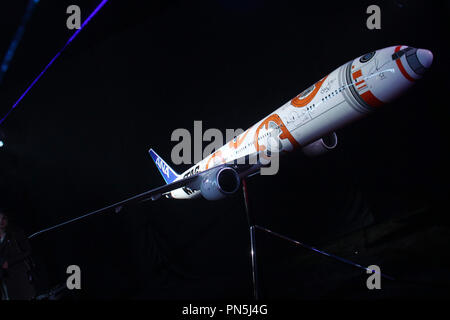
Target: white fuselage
[[348, 93]]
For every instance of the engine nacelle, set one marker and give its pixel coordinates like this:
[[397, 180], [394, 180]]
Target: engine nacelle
[[321, 146], [220, 183]]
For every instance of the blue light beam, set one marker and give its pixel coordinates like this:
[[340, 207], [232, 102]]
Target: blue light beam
[[97, 9]]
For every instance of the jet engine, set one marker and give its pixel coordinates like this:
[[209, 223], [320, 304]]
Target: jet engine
[[220, 183], [321, 146]]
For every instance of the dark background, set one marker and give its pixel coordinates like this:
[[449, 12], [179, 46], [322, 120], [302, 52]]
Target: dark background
[[141, 69]]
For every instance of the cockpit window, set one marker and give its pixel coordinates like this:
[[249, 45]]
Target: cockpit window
[[400, 53]]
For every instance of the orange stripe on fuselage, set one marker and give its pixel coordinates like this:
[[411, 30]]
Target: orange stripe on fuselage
[[402, 69], [357, 74], [299, 102], [218, 153], [239, 141], [371, 100], [285, 134], [367, 96]]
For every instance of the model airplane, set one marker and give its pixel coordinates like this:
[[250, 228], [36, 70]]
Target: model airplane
[[307, 122]]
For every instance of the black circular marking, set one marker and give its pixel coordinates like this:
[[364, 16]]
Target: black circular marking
[[367, 57]]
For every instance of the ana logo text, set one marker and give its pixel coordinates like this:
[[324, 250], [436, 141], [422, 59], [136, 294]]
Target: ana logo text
[[164, 168]]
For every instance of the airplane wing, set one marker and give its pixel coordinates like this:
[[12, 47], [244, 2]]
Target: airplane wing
[[153, 194], [193, 182]]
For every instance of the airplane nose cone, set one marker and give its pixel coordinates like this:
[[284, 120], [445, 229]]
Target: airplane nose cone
[[425, 57], [419, 60]]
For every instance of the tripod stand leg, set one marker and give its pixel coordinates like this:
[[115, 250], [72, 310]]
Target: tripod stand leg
[[254, 266], [320, 251], [252, 242]]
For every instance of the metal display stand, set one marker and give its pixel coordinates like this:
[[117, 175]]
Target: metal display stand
[[252, 229]]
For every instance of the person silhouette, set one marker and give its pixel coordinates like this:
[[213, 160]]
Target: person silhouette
[[15, 266]]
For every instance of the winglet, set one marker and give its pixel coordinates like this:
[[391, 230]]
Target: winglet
[[166, 171]]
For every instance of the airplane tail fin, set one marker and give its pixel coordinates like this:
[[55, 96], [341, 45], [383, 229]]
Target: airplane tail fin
[[166, 171]]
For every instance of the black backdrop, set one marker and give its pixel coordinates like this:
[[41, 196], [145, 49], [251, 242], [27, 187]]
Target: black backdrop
[[79, 139]]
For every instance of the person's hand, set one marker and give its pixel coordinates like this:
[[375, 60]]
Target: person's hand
[[5, 265]]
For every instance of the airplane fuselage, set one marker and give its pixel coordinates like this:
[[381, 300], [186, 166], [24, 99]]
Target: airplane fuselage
[[347, 94]]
